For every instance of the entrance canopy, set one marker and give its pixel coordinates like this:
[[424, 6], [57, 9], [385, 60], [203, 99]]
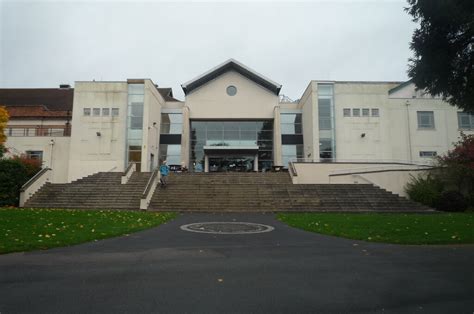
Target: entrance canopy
[[231, 150]]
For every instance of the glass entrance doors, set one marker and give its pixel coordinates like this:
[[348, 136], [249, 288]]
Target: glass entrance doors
[[230, 163]]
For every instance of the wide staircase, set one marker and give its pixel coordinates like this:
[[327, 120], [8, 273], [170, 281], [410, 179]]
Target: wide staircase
[[99, 191], [271, 192]]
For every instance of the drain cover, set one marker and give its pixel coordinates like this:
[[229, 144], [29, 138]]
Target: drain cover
[[227, 227]]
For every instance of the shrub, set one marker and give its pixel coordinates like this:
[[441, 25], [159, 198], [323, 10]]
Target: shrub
[[452, 201], [426, 190], [13, 174]]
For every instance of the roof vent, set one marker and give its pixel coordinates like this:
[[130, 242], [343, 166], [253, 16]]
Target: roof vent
[[64, 86]]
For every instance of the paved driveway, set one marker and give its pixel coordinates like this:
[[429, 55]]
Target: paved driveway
[[168, 270]]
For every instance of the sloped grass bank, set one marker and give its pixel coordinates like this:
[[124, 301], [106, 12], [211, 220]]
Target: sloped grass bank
[[437, 228], [23, 229]]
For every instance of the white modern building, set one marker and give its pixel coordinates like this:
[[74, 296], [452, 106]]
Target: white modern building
[[232, 119]]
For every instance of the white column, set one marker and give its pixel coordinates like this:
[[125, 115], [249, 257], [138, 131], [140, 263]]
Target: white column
[[206, 163], [277, 157], [255, 163]]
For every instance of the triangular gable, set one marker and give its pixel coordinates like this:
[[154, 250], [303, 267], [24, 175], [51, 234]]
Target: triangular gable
[[231, 65]]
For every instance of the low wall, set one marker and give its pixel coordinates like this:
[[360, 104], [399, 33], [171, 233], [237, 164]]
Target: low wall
[[392, 177]]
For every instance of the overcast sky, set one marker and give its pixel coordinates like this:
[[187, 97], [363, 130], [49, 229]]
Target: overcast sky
[[47, 43]]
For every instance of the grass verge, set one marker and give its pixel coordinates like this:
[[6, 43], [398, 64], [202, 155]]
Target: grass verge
[[439, 228], [23, 229]]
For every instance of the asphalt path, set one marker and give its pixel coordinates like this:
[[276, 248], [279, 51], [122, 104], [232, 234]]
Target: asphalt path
[[168, 270]]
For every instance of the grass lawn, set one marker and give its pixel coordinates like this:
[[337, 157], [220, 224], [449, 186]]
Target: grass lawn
[[439, 228], [23, 229]]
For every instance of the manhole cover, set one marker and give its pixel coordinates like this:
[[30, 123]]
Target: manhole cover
[[227, 227]]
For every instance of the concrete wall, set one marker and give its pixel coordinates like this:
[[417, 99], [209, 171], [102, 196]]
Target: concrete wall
[[394, 135], [392, 177], [310, 121], [55, 156], [393, 181], [153, 102], [90, 153], [211, 101]]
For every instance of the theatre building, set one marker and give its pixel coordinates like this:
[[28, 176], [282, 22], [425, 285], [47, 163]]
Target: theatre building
[[231, 119]]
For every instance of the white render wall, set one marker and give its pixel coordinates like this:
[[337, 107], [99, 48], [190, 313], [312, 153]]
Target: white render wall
[[90, 153], [55, 156], [393, 136], [211, 101], [153, 102]]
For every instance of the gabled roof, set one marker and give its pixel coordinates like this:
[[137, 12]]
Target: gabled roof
[[231, 65], [51, 98], [399, 87]]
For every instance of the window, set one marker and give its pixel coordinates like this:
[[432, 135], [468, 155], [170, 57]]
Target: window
[[291, 123], [428, 154], [105, 112], [465, 121], [291, 153], [96, 112], [347, 112], [325, 148], [231, 90], [425, 119], [115, 112], [375, 112], [356, 112], [35, 154], [365, 112], [171, 153], [171, 123], [87, 111]]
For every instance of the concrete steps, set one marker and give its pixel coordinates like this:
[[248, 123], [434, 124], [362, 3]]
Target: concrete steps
[[205, 192], [99, 191], [271, 192]]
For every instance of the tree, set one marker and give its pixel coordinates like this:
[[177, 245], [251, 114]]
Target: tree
[[450, 185], [3, 123], [443, 46], [457, 166]]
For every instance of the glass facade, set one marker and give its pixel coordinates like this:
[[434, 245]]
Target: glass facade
[[291, 137], [134, 123], [232, 134], [326, 122], [170, 138]]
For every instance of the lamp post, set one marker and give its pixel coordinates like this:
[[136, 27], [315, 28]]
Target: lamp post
[[51, 143]]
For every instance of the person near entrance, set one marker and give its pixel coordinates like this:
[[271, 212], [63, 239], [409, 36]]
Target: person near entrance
[[164, 171]]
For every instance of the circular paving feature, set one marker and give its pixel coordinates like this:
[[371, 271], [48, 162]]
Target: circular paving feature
[[227, 227]]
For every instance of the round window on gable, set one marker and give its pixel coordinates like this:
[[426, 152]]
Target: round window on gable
[[231, 90]]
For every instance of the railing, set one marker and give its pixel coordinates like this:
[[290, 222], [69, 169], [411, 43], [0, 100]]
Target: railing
[[292, 169], [37, 130], [149, 189], [428, 162], [132, 167], [34, 184], [395, 167]]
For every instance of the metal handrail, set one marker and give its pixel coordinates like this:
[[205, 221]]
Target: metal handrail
[[364, 161], [34, 178], [292, 169]]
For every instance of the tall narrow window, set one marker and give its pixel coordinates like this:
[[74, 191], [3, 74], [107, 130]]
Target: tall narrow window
[[326, 121], [134, 123]]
